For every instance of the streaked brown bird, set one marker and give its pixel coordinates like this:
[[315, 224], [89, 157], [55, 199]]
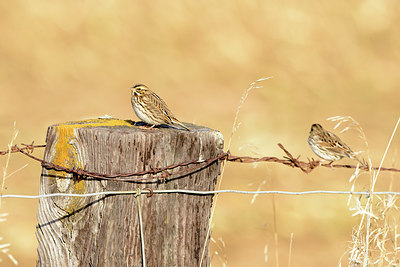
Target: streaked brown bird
[[151, 109], [327, 145]]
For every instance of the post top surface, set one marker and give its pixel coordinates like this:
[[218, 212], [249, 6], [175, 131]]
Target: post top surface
[[106, 122], [113, 123]]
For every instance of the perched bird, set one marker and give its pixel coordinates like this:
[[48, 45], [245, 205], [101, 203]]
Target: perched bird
[[151, 109], [327, 145]]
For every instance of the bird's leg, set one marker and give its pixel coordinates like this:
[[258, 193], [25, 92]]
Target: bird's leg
[[322, 161], [145, 125]]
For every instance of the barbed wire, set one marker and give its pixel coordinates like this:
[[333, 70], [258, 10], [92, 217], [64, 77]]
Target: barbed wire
[[166, 172], [150, 192]]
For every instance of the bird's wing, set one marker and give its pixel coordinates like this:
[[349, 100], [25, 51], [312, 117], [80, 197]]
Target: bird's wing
[[159, 106], [334, 144]]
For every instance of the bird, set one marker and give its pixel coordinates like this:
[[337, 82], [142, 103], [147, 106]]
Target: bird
[[327, 145], [151, 109]]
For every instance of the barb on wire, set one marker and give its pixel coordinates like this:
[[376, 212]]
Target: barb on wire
[[155, 174], [14, 149]]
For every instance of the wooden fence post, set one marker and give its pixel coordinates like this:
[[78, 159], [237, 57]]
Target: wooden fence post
[[104, 230]]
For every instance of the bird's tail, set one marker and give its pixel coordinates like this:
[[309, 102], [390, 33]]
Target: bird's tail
[[355, 157], [180, 124]]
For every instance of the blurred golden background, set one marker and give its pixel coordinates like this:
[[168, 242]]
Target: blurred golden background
[[64, 61]]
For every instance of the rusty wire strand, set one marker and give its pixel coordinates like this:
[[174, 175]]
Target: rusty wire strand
[[155, 174], [15, 148], [138, 192], [164, 174]]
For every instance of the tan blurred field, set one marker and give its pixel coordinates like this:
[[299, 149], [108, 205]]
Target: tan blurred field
[[64, 61]]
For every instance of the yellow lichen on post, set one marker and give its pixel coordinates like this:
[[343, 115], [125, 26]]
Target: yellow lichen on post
[[66, 151], [96, 123]]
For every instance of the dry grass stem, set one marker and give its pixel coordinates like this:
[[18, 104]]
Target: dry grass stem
[[276, 236], [3, 181], [235, 126], [290, 250], [266, 253], [253, 199], [220, 251], [375, 241], [5, 248]]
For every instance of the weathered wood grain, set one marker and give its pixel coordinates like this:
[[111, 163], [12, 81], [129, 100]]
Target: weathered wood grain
[[104, 231]]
